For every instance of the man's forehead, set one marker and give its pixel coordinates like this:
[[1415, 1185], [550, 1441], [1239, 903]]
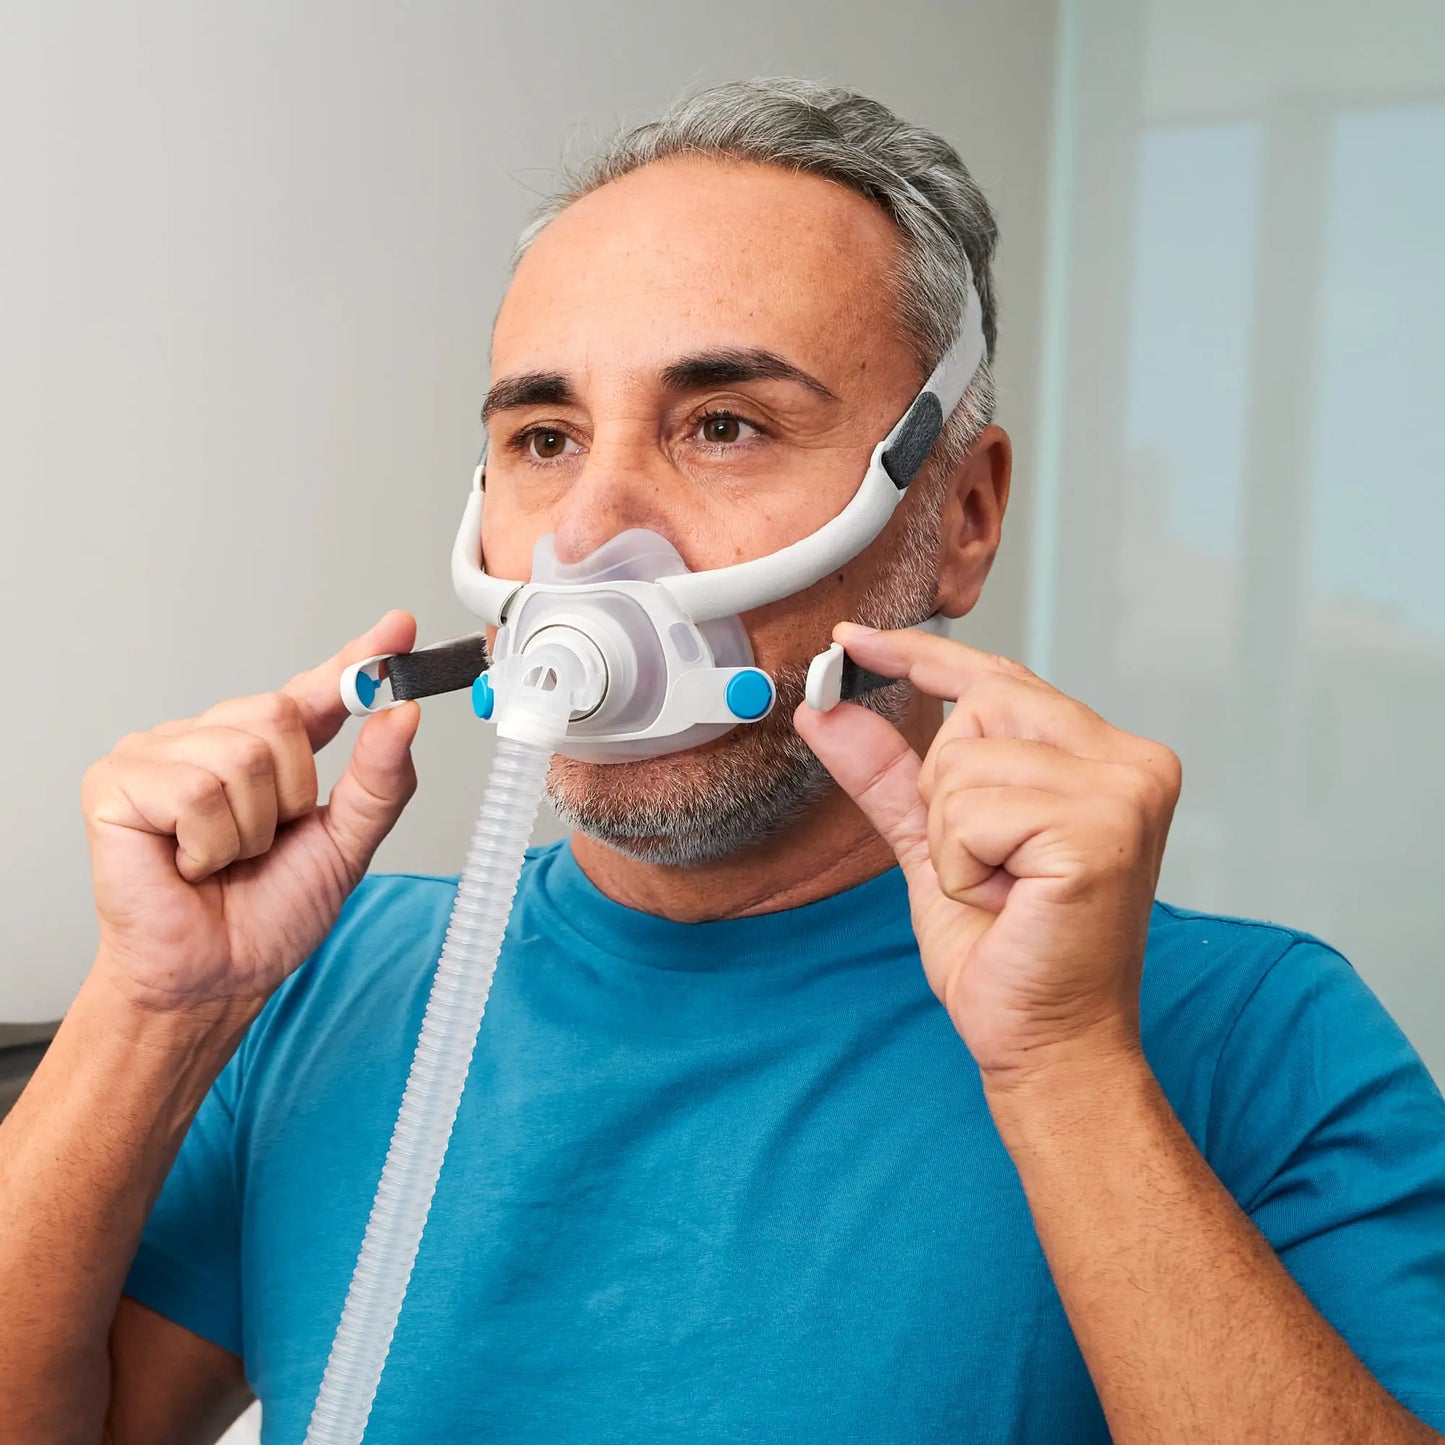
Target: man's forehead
[[690, 257]]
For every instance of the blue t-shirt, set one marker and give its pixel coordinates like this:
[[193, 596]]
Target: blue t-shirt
[[737, 1181]]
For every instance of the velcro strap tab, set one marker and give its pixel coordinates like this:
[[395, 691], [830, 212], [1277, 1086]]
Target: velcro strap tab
[[917, 433], [444, 667]]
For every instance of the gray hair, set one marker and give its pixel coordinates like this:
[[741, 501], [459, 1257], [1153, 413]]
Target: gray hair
[[912, 174]]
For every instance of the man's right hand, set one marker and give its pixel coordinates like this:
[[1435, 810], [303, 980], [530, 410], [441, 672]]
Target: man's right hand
[[216, 873]]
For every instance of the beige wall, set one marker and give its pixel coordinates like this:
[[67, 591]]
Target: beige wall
[[248, 261]]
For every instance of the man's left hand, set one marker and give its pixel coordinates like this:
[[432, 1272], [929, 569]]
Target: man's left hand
[[1031, 837]]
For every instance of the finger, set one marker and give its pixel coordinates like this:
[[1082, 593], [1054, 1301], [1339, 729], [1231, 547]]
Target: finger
[[873, 763], [962, 874], [962, 760], [318, 692], [243, 764], [994, 696], [174, 799], [276, 719], [939, 666], [377, 784], [1033, 834]]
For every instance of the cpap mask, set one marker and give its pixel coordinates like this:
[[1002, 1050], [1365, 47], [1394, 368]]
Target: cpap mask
[[657, 656]]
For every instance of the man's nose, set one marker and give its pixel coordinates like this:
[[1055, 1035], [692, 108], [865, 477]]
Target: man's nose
[[622, 483]]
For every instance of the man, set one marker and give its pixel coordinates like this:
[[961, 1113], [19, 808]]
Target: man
[[730, 1165]]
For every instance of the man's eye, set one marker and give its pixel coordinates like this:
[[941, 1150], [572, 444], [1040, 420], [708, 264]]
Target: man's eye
[[721, 428], [547, 443]]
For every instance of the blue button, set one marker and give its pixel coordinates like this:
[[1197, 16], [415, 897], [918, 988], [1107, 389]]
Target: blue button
[[366, 688], [483, 698], [749, 694]]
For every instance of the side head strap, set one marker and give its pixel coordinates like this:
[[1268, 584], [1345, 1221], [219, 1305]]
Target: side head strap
[[726, 591]]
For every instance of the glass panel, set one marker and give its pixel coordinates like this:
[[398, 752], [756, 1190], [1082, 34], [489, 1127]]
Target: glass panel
[[1242, 507]]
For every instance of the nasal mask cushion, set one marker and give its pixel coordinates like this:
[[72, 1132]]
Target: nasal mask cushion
[[656, 653], [657, 681]]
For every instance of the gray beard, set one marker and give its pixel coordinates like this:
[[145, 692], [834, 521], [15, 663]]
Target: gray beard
[[698, 806], [739, 794]]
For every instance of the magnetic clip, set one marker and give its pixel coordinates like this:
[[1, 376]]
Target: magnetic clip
[[834, 677], [366, 687], [392, 678]]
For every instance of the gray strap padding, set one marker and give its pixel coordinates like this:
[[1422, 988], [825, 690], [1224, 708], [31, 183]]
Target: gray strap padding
[[858, 680], [452, 666], [445, 667], [917, 433], [855, 680]]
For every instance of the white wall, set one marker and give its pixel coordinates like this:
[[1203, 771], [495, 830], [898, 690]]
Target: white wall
[[248, 261]]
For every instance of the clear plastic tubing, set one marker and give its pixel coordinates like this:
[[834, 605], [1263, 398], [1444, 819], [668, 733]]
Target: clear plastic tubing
[[438, 1074]]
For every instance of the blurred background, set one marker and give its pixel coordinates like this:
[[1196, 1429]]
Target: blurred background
[[250, 259]]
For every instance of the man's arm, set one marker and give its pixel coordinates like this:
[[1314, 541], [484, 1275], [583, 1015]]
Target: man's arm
[[83, 1155], [167, 1384], [216, 874], [1031, 837], [1190, 1325]]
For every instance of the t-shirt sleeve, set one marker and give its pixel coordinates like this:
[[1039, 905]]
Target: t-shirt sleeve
[[1327, 1128], [188, 1267]]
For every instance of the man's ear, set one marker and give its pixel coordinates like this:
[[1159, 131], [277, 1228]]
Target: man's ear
[[975, 499]]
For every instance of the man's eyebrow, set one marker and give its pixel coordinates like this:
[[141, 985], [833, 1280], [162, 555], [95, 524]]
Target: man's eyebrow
[[731, 366], [528, 388]]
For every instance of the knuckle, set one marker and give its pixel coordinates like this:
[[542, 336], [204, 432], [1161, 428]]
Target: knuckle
[[950, 764], [1011, 669], [1124, 833], [210, 857], [876, 779], [253, 758], [310, 789], [950, 876], [95, 784], [199, 794], [258, 842], [408, 782], [989, 689], [306, 788], [280, 712], [1171, 772], [953, 810], [1141, 788], [1159, 778], [297, 786]]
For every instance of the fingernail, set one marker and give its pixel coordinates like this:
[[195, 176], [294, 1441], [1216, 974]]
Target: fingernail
[[857, 629]]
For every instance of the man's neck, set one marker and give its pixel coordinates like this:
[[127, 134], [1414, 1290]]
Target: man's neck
[[831, 848]]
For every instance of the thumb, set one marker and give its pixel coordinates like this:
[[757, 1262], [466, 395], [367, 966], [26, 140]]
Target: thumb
[[377, 784], [872, 762]]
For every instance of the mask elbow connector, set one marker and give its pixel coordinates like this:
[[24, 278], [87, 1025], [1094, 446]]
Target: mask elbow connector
[[558, 677]]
